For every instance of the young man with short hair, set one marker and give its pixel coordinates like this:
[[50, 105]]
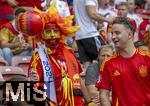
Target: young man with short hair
[[128, 72]]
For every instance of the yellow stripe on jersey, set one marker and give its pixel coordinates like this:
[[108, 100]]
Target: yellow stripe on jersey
[[107, 59], [144, 53]]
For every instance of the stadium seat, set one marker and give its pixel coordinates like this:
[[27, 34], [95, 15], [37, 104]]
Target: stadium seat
[[10, 71], [3, 62], [22, 62]]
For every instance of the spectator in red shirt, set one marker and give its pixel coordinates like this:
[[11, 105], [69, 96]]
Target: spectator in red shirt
[[6, 10], [30, 3], [128, 72]]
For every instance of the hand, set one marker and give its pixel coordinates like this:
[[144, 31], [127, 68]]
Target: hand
[[33, 75], [25, 46], [74, 46], [110, 19], [92, 104]]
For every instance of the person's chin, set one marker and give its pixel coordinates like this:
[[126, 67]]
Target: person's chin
[[117, 47]]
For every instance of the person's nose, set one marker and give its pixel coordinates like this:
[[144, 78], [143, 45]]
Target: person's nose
[[113, 36], [105, 56]]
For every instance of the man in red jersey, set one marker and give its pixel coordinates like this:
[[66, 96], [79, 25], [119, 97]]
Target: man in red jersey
[[128, 72], [60, 59]]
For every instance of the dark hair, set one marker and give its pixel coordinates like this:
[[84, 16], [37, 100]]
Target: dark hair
[[125, 21], [139, 43], [19, 10]]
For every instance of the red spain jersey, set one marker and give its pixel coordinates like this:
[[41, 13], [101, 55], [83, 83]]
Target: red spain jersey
[[129, 78]]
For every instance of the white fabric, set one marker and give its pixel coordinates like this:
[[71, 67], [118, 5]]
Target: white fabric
[[119, 1], [48, 74], [110, 13], [87, 26], [137, 19], [62, 8]]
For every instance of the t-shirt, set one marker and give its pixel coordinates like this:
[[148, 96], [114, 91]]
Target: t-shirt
[[9, 32], [129, 78], [87, 25], [6, 35], [62, 7], [92, 74]]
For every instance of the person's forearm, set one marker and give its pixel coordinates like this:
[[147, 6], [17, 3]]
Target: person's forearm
[[105, 101], [104, 98], [94, 94], [84, 90], [92, 13], [10, 45], [98, 17], [95, 98]]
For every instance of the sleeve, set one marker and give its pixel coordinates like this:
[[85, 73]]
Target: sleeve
[[105, 80], [90, 2], [4, 34], [90, 77]]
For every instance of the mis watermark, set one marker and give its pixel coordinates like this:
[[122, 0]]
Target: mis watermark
[[24, 91]]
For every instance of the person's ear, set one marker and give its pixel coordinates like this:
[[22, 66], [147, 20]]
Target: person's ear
[[130, 34]]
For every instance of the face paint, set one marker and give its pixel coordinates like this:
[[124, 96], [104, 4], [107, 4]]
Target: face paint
[[51, 34]]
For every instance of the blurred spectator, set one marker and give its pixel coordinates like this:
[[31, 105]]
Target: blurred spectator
[[143, 28], [62, 7], [123, 11], [147, 38], [128, 71], [112, 6], [92, 73], [88, 39], [147, 5], [105, 11], [13, 42], [30, 3], [145, 10], [6, 10], [132, 14], [140, 4]]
